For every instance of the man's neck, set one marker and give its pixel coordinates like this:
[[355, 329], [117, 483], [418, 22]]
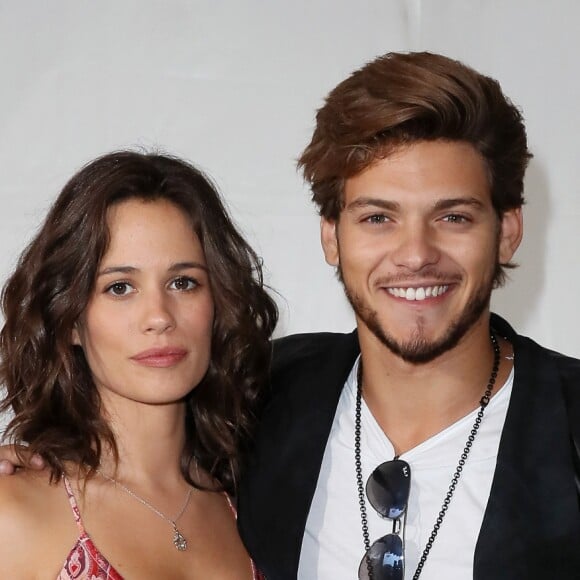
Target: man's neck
[[412, 402]]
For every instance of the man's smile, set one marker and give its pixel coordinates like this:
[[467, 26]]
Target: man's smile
[[418, 292]]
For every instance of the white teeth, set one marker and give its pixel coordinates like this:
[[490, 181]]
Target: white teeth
[[412, 294]]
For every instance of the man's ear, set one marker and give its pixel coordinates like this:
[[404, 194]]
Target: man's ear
[[329, 241], [511, 232]]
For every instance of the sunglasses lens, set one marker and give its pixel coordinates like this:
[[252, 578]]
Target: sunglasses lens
[[384, 560], [388, 488]]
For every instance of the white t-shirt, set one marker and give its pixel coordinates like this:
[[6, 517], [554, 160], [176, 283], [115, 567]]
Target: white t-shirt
[[333, 546]]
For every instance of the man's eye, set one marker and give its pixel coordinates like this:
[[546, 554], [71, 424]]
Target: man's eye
[[183, 283], [455, 218], [119, 289], [377, 219]]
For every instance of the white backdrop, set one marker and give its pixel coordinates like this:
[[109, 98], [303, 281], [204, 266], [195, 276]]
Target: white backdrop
[[233, 85]]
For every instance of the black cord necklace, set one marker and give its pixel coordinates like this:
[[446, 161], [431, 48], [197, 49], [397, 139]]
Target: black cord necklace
[[484, 401]]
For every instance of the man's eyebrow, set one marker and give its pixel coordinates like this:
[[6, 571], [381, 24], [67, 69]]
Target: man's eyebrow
[[365, 202], [442, 204], [450, 203], [177, 267]]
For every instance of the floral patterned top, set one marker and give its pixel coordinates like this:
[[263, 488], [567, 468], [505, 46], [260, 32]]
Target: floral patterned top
[[85, 562]]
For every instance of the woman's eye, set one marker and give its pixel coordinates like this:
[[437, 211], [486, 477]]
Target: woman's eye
[[183, 283], [119, 289]]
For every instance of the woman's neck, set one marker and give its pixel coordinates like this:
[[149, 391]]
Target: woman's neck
[[150, 441]]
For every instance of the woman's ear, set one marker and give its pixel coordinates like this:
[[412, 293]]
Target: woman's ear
[[75, 336]]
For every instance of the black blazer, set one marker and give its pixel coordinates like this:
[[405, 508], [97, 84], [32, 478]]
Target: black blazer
[[531, 527]]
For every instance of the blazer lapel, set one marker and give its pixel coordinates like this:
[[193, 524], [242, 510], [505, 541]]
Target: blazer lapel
[[530, 529], [277, 490]]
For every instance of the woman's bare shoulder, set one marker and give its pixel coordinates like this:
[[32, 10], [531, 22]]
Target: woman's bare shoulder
[[22, 490], [26, 499], [25, 481]]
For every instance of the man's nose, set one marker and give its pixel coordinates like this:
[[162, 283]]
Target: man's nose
[[416, 248]]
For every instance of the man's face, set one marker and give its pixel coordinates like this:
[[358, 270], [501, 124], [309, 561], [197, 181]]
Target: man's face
[[417, 245]]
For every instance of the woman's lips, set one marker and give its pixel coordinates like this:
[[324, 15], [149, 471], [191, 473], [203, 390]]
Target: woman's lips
[[160, 357]]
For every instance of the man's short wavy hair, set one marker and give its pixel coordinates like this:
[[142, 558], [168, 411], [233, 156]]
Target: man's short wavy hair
[[49, 385], [402, 98]]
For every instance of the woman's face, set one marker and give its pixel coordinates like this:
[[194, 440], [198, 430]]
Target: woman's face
[[146, 331]]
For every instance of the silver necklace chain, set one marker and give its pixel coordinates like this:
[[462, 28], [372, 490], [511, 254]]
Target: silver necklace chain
[[179, 540], [484, 401]]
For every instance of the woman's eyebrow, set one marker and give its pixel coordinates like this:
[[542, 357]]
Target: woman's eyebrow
[[177, 267], [186, 266]]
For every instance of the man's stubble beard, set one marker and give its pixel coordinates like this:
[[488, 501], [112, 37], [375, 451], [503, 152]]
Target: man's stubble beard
[[418, 349]]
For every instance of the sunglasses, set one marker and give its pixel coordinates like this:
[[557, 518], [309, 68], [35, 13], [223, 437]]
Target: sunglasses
[[387, 491]]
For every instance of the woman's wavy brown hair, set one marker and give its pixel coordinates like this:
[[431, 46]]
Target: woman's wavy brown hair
[[402, 98], [56, 406]]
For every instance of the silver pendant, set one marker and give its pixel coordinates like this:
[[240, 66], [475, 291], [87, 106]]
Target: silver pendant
[[179, 541]]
